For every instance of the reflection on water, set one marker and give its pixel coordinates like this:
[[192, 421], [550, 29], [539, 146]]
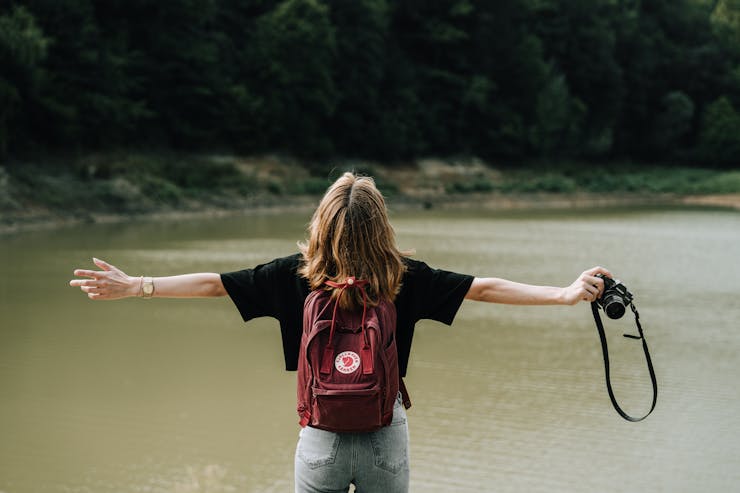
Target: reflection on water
[[181, 396]]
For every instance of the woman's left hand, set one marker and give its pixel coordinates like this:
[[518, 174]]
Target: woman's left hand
[[587, 287]]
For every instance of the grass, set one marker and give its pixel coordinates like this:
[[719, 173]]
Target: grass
[[144, 182], [614, 178], [124, 183]]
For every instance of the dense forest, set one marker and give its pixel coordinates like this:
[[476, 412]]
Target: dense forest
[[505, 80]]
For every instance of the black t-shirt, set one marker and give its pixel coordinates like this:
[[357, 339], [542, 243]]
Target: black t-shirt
[[275, 289]]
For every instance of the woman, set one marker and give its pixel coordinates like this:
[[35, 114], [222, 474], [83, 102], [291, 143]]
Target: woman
[[349, 235]]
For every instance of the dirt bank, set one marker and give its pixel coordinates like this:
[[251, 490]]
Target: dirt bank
[[731, 201]]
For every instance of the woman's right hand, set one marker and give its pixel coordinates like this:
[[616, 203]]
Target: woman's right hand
[[587, 287], [111, 283]]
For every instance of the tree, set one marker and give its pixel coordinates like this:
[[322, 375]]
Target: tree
[[175, 68], [720, 134], [725, 19], [361, 30], [83, 99], [241, 123], [673, 124], [295, 53], [579, 39], [557, 129], [505, 80], [23, 48], [664, 46], [726, 13], [474, 68]]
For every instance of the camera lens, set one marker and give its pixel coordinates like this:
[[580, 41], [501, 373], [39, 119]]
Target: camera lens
[[613, 307]]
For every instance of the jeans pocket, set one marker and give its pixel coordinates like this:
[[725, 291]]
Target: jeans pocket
[[317, 448], [390, 444]]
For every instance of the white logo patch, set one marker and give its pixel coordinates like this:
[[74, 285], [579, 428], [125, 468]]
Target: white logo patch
[[347, 362]]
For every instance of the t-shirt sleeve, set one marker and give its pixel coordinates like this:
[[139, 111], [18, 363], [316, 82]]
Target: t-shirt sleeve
[[255, 291], [438, 294]]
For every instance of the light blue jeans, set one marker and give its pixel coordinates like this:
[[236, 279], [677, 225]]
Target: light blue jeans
[[375, 462]]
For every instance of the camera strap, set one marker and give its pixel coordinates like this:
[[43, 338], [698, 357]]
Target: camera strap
[[605, 352]]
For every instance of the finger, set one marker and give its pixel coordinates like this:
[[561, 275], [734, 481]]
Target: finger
[[103, 264], [592, 290], [589, 296], [85, 282], [87, 273], [91, 289], [595, 281], [598, 270], [589, 292], [99, 296]]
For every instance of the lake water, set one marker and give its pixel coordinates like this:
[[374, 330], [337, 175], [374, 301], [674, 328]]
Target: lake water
[[181, 396]]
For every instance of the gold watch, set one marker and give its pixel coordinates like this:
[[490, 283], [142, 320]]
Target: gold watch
[[147, 287]]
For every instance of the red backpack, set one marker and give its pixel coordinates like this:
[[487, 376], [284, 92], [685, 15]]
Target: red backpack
[[348, 377]]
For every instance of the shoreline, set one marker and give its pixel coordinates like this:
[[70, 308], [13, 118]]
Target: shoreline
[[45, 220], [125, 187]]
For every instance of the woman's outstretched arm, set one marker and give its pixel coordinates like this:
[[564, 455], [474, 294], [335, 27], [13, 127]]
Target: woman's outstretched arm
[[587, 287], [111, 283]]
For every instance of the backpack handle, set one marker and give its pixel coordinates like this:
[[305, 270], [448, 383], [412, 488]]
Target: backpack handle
[[366, 356]]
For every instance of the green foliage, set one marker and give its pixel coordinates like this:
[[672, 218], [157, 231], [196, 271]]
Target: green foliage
[[160, 190], [21, 41], [203, 175], [664, 47], [579, 40], [23, 48], [726, 14], [360, 29], [508, 80], [713, 183], [477, 185], [720, 134], [614, 178], [534, 181], [558, 119], [673, 123], [127, 182], [297, 48], [308, 186]]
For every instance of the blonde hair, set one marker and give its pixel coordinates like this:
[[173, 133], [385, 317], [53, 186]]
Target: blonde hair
[[350, 235]]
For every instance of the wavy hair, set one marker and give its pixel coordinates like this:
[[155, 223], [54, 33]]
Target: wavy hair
[[350, 235]]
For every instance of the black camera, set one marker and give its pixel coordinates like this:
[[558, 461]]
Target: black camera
[[615, 297]]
